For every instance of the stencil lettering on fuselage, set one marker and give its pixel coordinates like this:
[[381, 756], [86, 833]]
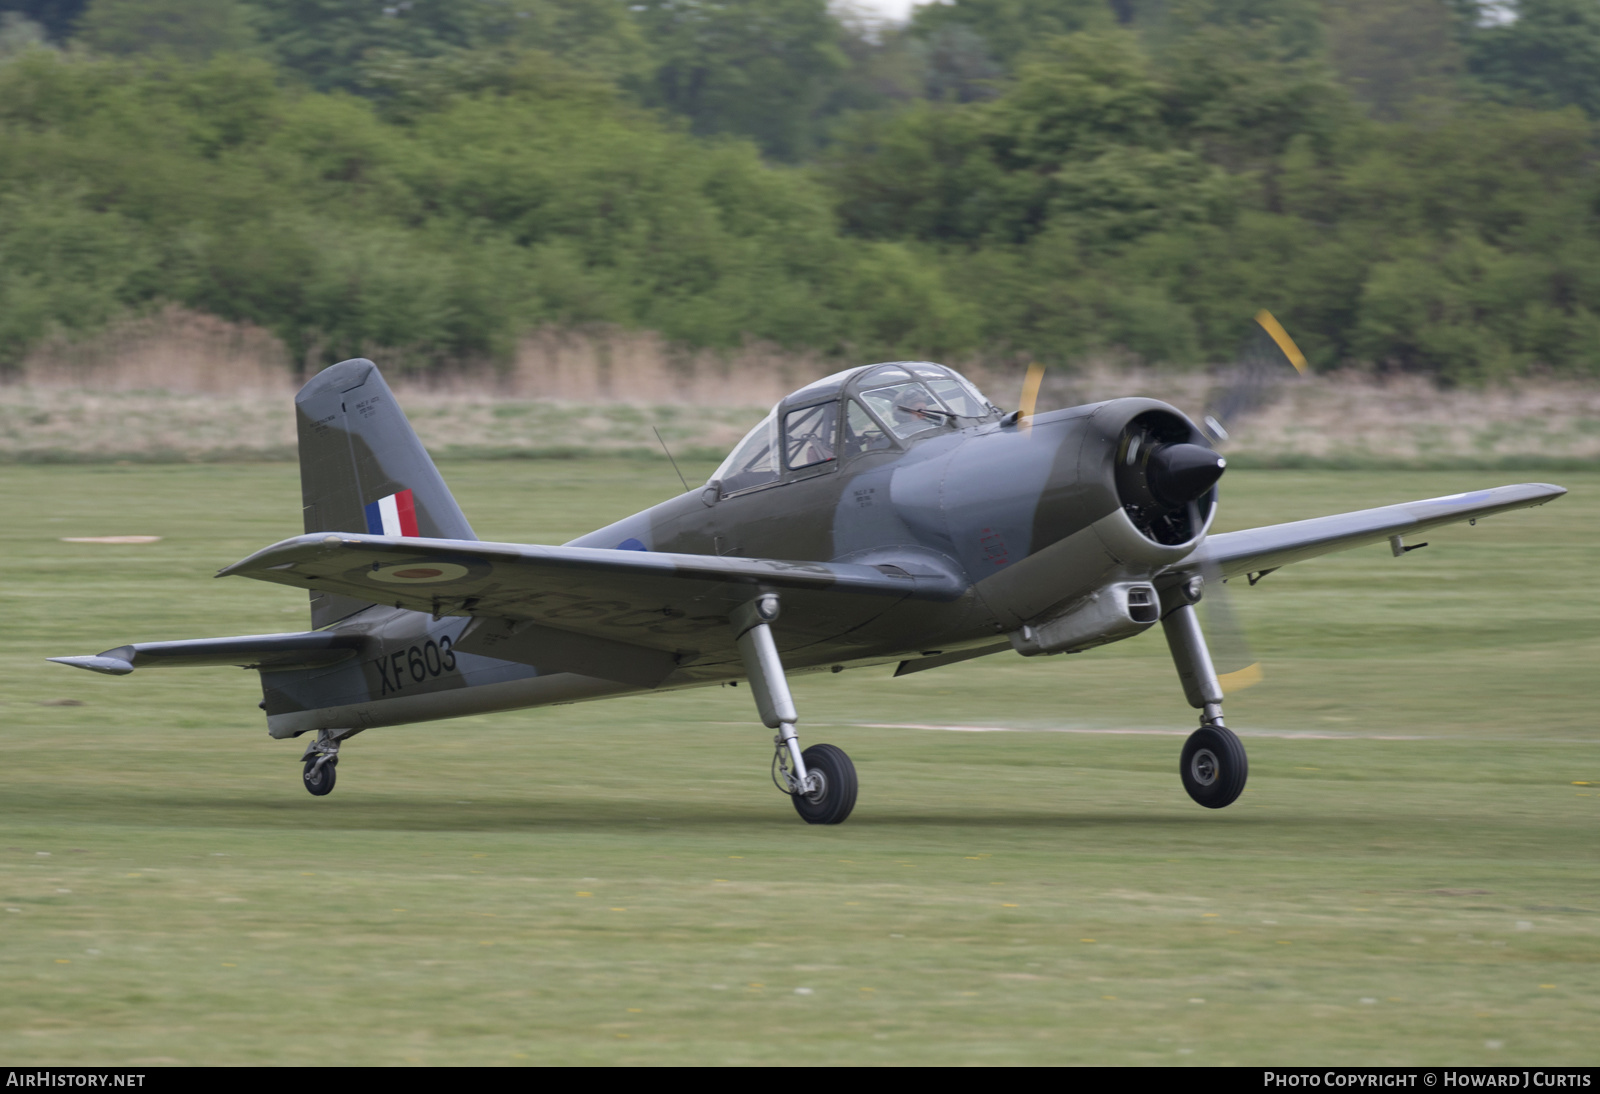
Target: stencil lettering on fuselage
[[414, 665]]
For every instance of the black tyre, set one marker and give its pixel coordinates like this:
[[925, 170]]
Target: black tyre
[[320, 780], [832, 801], [1214, 767]]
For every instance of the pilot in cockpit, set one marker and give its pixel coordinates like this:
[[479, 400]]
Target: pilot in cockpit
[[912, 408]]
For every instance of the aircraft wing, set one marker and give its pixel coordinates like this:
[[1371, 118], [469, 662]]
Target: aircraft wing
[[671, 602], [1257, 549]]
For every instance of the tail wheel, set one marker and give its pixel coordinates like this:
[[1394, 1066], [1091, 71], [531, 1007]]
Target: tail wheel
[[835, 795], [1214, 767], [320, 777]]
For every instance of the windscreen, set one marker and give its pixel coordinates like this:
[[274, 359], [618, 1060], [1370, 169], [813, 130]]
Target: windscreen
[[809, 435], [754, 461], [907, 409], [862, 433]]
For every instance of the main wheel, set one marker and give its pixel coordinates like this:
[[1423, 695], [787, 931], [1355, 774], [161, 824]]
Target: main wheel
[[1213, 767], [320, 780], [833, 799]]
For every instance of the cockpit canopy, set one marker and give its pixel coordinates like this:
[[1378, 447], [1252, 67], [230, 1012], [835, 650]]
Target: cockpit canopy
[[875, 408]]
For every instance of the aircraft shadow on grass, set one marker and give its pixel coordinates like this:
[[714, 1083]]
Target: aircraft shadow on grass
[[248, 813]]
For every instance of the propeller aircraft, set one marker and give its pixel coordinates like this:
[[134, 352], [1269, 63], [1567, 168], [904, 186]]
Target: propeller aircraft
[[889, 514]]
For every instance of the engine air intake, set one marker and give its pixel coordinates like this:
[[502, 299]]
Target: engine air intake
[[1165, 476]]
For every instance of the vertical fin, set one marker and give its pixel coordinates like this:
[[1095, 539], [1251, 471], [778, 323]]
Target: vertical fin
[[359, 453]]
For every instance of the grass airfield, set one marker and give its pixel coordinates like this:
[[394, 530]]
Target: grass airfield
[[1410, 878]]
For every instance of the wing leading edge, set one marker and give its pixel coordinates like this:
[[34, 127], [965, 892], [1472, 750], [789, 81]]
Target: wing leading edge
[[1267, 548]]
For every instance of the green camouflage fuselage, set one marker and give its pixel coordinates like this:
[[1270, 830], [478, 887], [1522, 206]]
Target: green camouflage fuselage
[[1014, 520]]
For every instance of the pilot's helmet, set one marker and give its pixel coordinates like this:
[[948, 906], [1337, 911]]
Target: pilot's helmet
[[912, 406]]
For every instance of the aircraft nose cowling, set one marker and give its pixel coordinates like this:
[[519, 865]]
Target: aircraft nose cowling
[[1163, 470], [1180, 473]]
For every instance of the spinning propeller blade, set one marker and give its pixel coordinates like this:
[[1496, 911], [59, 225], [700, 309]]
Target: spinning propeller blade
[[1030, 393], [1256, 376], [1237, 668], [1254, 383], [1275, 330]]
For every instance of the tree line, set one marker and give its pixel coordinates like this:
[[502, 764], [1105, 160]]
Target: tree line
[[1407, 184]]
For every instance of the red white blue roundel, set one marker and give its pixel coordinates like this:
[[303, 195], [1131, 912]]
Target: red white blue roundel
[[417, 573]]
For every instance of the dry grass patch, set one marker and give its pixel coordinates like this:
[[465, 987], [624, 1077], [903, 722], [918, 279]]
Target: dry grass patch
[[182, 386]]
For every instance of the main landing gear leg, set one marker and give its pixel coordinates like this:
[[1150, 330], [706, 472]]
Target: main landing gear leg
[[821, 781], [1213, 766]]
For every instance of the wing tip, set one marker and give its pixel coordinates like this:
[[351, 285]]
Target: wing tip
[[111, 666], [1529, 493]]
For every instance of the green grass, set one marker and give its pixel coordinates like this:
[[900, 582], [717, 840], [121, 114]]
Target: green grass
[[1411, 876]]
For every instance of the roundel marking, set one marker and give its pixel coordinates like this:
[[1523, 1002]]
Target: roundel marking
[[418, 573]]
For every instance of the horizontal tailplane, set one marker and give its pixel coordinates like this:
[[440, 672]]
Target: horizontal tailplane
[[307, 649]]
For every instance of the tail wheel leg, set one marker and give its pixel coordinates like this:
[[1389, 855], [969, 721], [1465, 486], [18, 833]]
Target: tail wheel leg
[[322, 761]]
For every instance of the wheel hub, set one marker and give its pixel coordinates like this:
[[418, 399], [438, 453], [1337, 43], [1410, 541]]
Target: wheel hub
[[816, 789], [1203, 767]]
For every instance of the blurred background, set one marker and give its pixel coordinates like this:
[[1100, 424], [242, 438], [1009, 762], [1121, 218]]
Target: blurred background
[[713, 201]]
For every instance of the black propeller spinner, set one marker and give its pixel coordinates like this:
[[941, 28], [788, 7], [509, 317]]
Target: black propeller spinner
[[1164, 478]]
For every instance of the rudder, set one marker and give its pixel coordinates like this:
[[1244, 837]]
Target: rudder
[[363, 470]]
